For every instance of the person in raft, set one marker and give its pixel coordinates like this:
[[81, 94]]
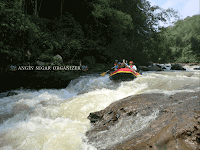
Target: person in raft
[[132, 65], [122, 65], [116, 65], [126, 64], [119, 65]]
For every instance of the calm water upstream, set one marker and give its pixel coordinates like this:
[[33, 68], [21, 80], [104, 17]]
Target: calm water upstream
[[51, 119]]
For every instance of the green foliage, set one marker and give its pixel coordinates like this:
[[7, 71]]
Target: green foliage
[[126, 28], [111, 30], [14, 26], [184, 39], [46, 57], [89, 61], [57, 60]]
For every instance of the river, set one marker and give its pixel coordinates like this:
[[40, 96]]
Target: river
[[52, 119]]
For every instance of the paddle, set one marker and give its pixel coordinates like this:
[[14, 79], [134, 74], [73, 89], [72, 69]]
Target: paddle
[[103, 74], [132, 69]]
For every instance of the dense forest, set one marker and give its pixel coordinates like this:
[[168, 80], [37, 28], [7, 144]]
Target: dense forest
[[94, 31], [183, 40]]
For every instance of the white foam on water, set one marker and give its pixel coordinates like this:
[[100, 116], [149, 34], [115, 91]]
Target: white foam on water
[[168, 93], [98, 100], [86, 84], [35, 120], [56, 119], [43, 133], [191, 68], [7, 148], [32, 98], [170, 81]]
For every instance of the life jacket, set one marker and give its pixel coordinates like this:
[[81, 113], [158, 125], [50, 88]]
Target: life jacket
[[132, 67], [115, 66]]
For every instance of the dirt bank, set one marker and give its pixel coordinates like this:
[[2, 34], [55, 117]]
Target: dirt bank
[[176, 125]]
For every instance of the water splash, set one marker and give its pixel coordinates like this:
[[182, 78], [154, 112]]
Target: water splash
[[89, 83]]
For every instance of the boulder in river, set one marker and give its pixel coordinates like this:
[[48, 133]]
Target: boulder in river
[[143, 68], [196, 68], [148, 121], [155, 68], [177, 67]]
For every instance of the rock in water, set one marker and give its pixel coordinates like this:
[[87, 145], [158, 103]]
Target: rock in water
[[196, 68], [131, 123], [143, 68], [177, 67], [154, 68]]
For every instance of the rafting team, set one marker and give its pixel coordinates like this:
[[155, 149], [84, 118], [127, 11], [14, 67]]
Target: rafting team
[[124, 64]]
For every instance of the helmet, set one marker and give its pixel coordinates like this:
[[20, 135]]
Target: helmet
[[116, 60], [119, 63], [131, 62]]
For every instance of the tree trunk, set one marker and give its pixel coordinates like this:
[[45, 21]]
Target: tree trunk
[[35, 7], [61, 9]]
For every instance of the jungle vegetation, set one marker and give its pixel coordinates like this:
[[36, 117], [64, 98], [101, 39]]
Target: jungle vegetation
[[182, 40], [94, 31]]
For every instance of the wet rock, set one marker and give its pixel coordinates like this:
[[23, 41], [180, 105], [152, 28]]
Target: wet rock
[[155, 68], [150, 63], [11, 93], [143, 68], [94, 117], [192, 64], [196, 68], [177, 67], [165, 66], [123, 126]]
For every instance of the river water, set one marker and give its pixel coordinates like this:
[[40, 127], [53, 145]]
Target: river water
[[52, 119]]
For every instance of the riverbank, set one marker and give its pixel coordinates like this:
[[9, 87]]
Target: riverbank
[[32, 79], [148, 121], [40, 79]]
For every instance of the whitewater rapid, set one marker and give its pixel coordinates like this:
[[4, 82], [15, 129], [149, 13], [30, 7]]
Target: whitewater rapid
[[50, 119]]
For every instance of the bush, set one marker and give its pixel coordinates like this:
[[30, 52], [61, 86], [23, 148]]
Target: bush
[[189, 59], [46, 58], [90, 61], [57, 61]]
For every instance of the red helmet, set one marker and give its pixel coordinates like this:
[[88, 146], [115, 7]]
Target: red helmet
[[131, 62]]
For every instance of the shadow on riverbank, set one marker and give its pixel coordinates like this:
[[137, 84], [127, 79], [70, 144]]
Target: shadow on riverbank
[[39, 79]]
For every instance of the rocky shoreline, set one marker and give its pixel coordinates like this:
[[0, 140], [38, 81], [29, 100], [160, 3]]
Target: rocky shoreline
[[176, 125]]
